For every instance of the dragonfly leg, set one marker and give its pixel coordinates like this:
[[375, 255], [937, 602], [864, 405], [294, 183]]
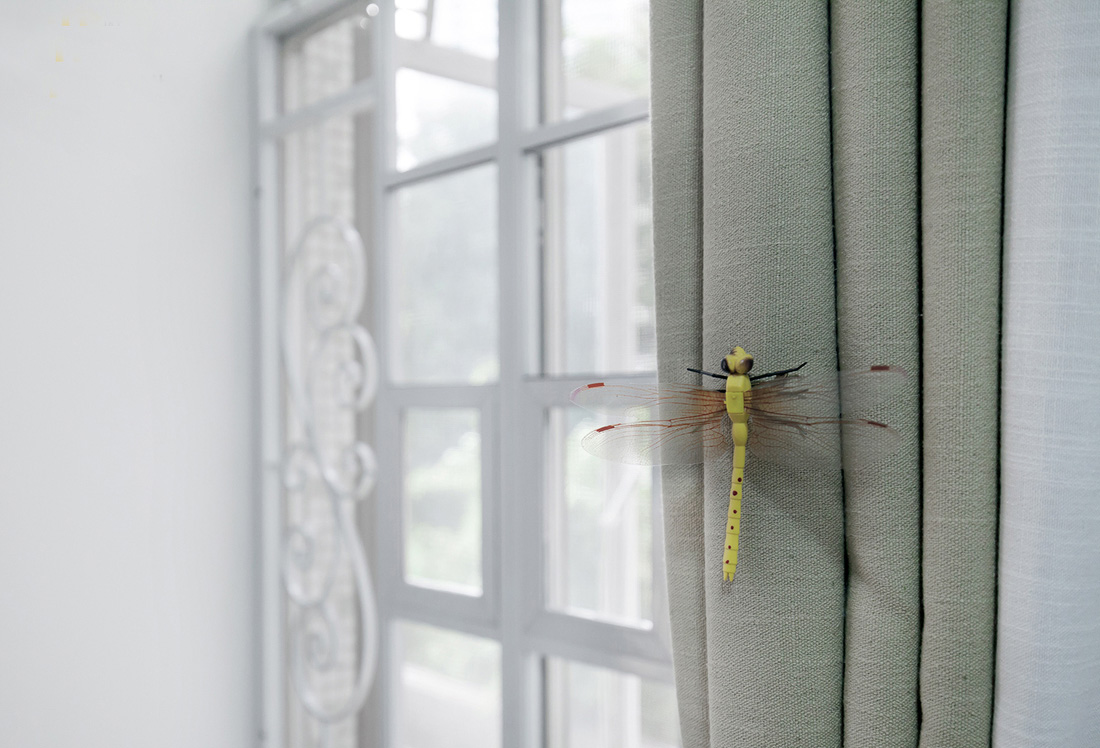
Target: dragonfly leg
[[778, 373], [709, 374]]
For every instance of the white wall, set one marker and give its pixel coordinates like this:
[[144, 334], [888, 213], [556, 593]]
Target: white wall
[[126, 395]]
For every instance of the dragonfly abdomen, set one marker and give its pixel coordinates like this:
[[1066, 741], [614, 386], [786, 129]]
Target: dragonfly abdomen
[[736, 387]]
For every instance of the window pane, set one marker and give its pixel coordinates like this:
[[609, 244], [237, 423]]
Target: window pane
[[319, 64], [463, 25], [446, 78], [598, 255], [442, 497], [449, 689], [599, 523], [590, 706], [596, 55], [443, 323]]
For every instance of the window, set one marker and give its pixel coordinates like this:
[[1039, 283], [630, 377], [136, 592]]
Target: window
[[493, 162]]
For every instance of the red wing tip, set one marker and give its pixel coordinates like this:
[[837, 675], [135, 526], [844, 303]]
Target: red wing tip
[[893, 369], [582, 388], [604, 428]]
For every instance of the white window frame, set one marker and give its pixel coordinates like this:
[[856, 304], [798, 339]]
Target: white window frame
[[511, 609]]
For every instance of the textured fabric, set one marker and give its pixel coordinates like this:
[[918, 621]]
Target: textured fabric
[[745, 255], [962, 125], [775, 635], [1048, 627], [875, 62], [770, 646], [676, 46]]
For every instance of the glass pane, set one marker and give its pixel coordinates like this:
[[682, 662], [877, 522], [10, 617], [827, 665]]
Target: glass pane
[[464, 25], [446, 78], [320, 63], [590, 707], [599, 527], [595, 55], [438, 116], [449, 689], [442, 497], [443, 321], [598, 303]]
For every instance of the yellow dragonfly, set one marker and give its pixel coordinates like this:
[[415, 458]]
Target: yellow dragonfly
[[782, 416]]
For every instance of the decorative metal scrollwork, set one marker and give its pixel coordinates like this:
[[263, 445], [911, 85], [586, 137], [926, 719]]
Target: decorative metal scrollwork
[[326, 349]]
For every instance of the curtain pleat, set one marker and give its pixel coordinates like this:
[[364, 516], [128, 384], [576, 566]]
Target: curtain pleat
[[1048, 628], [875, 100], [743, 231], [677, 94], [962, 131], [775, 635]]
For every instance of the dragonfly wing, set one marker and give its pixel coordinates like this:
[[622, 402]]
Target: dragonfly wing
[[817, 442], [683, 441], [671, 424], [797, 420], [644, 402], [865, 392]]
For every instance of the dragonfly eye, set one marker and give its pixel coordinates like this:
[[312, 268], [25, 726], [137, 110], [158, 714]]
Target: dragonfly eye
[[739, 361], [732, 364]]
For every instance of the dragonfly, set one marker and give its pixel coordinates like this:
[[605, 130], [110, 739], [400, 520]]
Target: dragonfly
[[782, 416]]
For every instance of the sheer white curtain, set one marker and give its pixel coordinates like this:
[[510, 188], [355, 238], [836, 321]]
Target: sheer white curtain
[[1048, 629]]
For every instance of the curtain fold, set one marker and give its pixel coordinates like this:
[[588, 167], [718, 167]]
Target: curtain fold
[[677, 125], [743, 230], [1048, 628], [962, 141], [775, 635], [876, 192]]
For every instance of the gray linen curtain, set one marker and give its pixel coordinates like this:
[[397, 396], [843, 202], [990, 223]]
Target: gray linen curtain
[[773, 123]]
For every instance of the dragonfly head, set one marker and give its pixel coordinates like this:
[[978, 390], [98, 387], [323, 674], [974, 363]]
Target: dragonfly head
[[737, 362]]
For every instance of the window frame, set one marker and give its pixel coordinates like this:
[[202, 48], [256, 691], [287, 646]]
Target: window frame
[[512, 609]]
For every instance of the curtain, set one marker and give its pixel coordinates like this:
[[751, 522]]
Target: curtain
[[1048, 628], [827, 187]]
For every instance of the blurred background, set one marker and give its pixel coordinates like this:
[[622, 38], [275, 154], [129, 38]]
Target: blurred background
[[131, 548]]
